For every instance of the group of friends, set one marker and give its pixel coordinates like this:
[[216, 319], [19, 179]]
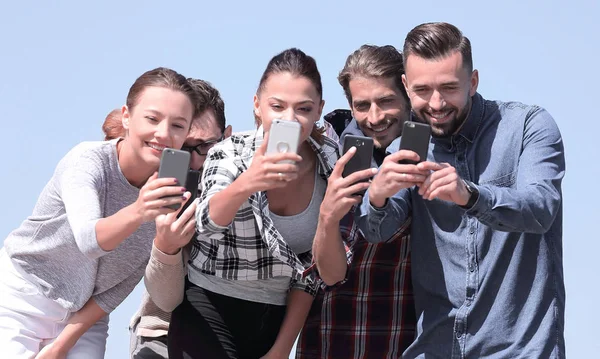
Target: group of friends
[[457, 255]]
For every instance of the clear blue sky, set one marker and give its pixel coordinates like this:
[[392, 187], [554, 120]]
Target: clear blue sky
[[65, 64]]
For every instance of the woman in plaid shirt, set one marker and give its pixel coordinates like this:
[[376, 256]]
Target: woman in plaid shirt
[[257, 219]]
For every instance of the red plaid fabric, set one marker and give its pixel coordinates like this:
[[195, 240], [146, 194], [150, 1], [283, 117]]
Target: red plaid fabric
[[369, 315]]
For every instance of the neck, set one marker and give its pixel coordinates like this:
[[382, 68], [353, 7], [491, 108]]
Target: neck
[[136, 174]]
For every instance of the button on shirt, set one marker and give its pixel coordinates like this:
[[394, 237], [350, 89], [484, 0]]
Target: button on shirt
[[488, 281]]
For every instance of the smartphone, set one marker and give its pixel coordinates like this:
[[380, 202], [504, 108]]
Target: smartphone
[[174, 163], [284, 136], [191, 185], [415, 137], [362, 157]]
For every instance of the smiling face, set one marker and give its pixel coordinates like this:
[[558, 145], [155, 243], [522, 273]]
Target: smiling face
[[440, 91], [379, 108], [288, 97], [160, 118]]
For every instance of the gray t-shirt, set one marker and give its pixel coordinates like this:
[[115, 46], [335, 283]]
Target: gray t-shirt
[[56, 246]]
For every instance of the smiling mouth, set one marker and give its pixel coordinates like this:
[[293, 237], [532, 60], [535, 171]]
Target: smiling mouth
[[440, 116], [156, 146], [381, 128]]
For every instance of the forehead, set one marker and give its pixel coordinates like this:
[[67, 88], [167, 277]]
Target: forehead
[[167, 101], [287, 84], [365, 88], [205, 126], [434, 70]]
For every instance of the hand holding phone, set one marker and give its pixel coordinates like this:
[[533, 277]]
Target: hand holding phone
[[361, 159], [174, 164], [415, 137]]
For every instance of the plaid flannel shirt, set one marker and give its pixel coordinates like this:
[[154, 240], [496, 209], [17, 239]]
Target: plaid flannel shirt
[[370, 314], [250, 247]]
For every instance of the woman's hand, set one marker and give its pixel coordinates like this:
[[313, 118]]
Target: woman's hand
[[150, 202], [173, 233], [267, 172]]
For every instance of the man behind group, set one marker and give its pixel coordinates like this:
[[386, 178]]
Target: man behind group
[[150, 324], [487, 245], [370, 313]]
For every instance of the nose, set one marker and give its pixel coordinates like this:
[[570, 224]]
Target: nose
[[436, 101], [289, 115], [375, 115], [162, 131]]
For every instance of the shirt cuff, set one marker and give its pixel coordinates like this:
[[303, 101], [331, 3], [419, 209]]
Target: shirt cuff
[[166, 259]]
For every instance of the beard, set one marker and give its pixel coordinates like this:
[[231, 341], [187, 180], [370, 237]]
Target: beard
[[450, 126]]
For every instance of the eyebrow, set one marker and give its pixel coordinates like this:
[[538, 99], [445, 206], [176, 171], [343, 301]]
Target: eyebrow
[[156, 112], [299, 103]]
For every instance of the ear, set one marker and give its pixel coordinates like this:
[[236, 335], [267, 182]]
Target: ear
[[474, 83], [227, 132], [321, 108], [125, 117], [256, 106], [405, 83]]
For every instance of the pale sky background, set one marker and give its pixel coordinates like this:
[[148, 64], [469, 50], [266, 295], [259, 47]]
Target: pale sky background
[[66, 64]]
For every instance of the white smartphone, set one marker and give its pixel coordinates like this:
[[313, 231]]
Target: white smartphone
[[284, 136]]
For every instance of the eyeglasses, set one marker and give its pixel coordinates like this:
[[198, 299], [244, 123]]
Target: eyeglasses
[[203, 147]]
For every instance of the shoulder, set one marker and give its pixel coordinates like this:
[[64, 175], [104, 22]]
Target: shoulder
[[92, 153], [520, 115]]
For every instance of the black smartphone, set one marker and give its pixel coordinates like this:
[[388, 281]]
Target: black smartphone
[[415, 137], [174, 163], [362, 157], [191, 185]]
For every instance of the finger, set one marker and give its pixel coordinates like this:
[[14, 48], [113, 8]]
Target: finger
[[189, 212], [356, 177], [439, 182], [351, 191], [442, 191], [164, 192], [434, 176], [431, 166], [286, 156], [190, 227], [281, 167], [161, 182], [338, 169], [165, 201], [403, 155]]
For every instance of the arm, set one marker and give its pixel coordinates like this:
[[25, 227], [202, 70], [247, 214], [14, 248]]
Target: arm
[[165, 279], [298, 306], [80, 185], [226, 188], [532, 205], [78, 324], [329, 252]]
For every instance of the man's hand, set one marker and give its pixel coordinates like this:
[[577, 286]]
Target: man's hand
[[393, 177], [443, 183], [341, 191], [173, 233]]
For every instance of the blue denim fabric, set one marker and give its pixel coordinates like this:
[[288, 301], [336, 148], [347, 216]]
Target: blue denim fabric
[[488, 281]]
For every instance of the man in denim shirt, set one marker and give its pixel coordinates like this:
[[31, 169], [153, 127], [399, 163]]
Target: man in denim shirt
[[487, 230]]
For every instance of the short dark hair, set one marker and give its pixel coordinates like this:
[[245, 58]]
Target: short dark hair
[[372, 61], [210, 99], [295, 62], [437, 40]]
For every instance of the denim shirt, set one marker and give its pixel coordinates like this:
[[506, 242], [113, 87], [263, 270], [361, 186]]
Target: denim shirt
[[488, 281]]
